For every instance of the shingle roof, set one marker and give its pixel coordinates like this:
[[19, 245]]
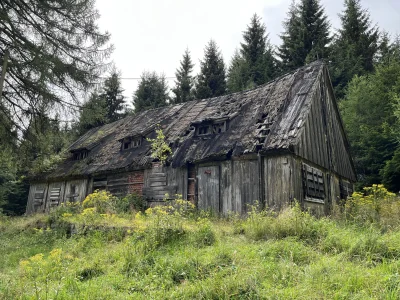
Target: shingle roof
[[266, 118]]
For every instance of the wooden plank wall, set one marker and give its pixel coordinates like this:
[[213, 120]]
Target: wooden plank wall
[[37, 205], [53, 189], [81, 188], [280, 188], [323, 140], [208, 188]]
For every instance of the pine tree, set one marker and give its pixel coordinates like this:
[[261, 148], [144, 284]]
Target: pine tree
[[306, 37], [257, 52], [53, 50], [94, 113], [355, 46], [184, 81], [152, 92], [238, 74], [211, 81], [114, 99]]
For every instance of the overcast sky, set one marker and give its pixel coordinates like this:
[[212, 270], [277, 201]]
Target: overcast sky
[[153, 34]]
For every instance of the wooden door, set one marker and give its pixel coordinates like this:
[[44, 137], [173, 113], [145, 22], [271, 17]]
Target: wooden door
[[208, 188]]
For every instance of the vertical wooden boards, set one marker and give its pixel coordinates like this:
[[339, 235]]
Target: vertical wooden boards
[[55, 194], [191, 184], [245, 183], [75, 190], [226, 187], [208, 188], [37, 198], [177, 177], [278, 181]]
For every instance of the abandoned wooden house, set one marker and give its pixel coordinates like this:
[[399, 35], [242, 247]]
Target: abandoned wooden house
[[276, 143]]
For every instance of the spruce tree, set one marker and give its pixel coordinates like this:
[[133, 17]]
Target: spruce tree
[[184, 81], [94, 113], [211, 81], [306, 35], [257, 52], [52, 50], [238, 74], [113, 97], [355, 46], [152, 92]]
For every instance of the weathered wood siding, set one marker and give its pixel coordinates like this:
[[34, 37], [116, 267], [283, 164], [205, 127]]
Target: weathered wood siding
[[75, 190], [37, 198], [55, 194], [323, 141], [208, 188], [280, 188]]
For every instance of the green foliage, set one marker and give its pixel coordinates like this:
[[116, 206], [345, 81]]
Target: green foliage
[[55, 52], [184, 84], [211, 81], [306, 35], [355, 47], [170, 253], [129, 203], [100, 201], [369, 118], [93, 113], [152, 92], [114, 99], [237, 78], [159, 147]]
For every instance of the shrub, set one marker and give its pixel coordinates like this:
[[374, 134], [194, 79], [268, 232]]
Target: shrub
[[375, 205], [101, 201], [204, 235], [130, 202]]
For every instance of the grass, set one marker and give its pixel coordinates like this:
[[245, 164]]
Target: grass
[[169, 253]]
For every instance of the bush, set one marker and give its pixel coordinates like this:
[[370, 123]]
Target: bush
[[376, 205], [101, 201], [130, 202]]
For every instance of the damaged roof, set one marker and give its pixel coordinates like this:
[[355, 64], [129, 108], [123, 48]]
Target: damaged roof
[[265, 118]]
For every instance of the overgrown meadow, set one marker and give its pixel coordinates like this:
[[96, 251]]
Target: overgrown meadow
[[116, 249]]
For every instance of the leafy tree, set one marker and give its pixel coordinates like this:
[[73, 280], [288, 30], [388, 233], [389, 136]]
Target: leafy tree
[[51, 49], [152, 92], [238, 71], [306, 35], [184, 81], [354, 47], [211, 81], [369, 116], [114, 99]]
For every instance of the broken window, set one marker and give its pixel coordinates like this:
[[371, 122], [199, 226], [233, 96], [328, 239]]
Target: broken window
[[219, 127], [39, 196], [130, 142], [55, 194], [313, 182], [346, 189], [79, 155], [203, 130]]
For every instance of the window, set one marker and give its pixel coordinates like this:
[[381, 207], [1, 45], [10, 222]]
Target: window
[[214, 127], [55, 194], [313, 183], [39, 196], [203, 130], [346, 189], [79, 155], [219, 127], [129, 143]]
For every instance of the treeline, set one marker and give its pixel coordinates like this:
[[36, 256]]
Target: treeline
[[364, 64]]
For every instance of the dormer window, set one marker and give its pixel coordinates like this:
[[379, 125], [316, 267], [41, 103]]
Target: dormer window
[[131, 142], [212, 127], [79, 155]]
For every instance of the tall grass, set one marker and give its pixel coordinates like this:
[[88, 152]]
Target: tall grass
[[174, 252]]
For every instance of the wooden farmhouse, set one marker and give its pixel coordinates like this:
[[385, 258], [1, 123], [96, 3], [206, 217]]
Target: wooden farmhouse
[[275, 144]]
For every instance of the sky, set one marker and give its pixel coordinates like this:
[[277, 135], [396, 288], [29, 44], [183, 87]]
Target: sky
[[152, 35]]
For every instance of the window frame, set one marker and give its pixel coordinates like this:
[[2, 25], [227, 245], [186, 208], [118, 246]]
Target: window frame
[[313, 184]]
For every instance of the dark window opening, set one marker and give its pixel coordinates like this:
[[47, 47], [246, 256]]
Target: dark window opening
[[129, 143], [80, 155], [219, 127], [203, 130], [313, 181], [346, 189]]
